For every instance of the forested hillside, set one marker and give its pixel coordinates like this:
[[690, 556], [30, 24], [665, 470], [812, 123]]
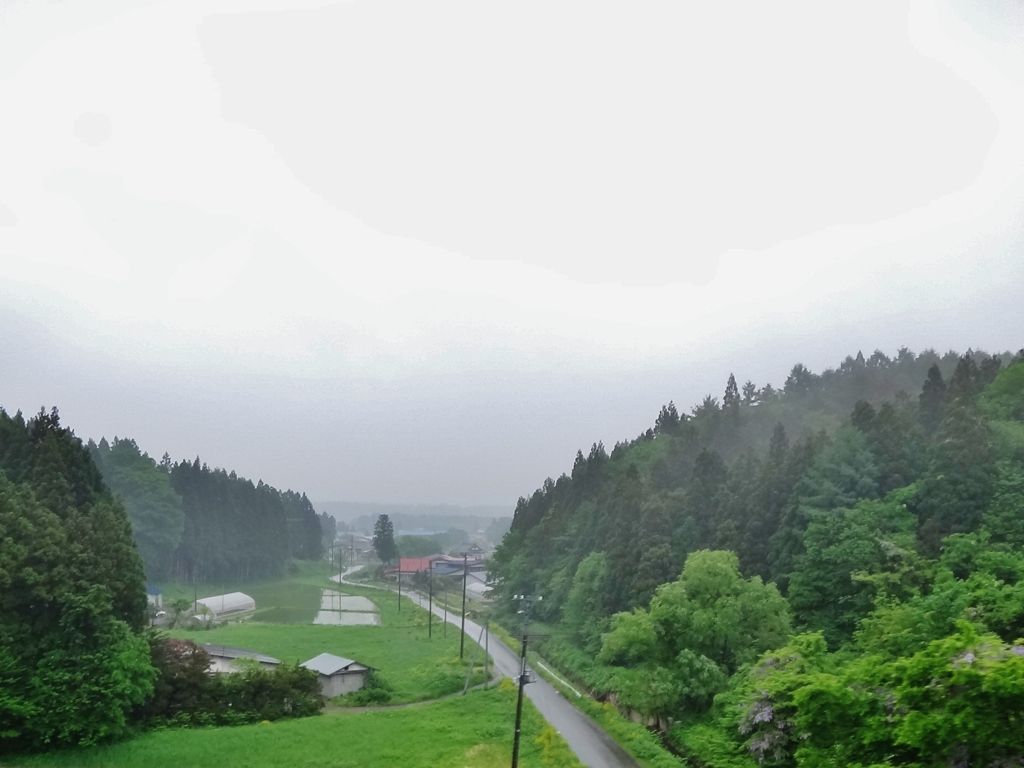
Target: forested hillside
[[72, 600], [191, 521], [851, 541]]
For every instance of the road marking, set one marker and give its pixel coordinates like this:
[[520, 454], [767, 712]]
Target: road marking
[[563, 682]]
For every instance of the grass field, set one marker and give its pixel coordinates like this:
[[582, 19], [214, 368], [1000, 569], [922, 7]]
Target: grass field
[[294, 599], [474, 731], [415, 666]]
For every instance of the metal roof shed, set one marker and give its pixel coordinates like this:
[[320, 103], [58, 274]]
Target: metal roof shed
[[338, 675], [223, 658]]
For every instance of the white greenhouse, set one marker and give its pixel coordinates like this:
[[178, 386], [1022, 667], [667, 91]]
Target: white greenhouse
[[229, 606]]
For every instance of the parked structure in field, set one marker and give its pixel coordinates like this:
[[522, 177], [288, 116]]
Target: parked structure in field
[[154, 596], [337, 675], [224, 658], [229, 606]]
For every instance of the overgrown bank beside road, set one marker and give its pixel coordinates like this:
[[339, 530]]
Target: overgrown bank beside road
[[474, 731]]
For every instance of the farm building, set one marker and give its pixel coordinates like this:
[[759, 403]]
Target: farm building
[[224, 658], [338, 676], [154, 596], [231, 605]]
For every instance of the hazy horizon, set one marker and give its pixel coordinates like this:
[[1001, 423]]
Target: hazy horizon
[[425, 253]]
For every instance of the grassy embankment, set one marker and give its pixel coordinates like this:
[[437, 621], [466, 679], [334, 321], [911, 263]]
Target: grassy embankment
[[473, 731], [414, 666], [641, 743]]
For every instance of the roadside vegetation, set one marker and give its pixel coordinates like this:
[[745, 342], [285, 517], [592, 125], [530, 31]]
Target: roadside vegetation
[[824, 574], [474, 731]]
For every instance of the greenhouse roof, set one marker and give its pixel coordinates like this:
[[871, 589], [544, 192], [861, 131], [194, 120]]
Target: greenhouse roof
[[232, 602]]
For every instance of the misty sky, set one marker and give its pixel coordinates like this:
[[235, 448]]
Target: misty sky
[[423, 251]]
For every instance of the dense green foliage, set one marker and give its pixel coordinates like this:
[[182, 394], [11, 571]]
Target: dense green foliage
[[186, 694], [884, 499], [74, 665], [237, 529], [438, 543], [153, 505], [190, 521], [72, 599]]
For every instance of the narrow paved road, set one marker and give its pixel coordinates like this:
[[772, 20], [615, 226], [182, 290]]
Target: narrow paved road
[[587, 739]]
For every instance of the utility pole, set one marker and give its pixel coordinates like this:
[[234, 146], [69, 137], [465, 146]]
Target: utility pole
[[519, 706], [465, 578], [523, 677], [399, 585], [430, 608]]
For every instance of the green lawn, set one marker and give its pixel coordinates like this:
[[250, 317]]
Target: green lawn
[[474, 731], [415, 666]]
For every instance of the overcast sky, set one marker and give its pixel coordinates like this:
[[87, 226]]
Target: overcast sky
[[423, 251]]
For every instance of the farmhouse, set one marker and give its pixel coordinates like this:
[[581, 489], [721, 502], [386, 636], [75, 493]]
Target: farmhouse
[[338, 676], [224, 658], [231, 605]]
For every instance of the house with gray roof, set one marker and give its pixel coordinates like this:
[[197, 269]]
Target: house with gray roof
[[338, 675], [224, 658]]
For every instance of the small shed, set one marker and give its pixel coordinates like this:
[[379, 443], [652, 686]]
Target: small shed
[[224, 658], [338, 676], [231, 605], [154, 596]]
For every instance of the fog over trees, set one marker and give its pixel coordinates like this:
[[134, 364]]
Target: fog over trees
[[811, 575]]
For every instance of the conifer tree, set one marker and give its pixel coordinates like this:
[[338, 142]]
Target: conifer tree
[[384, 539], [668, 419], [931, 400], [731, 400], [960, 480]]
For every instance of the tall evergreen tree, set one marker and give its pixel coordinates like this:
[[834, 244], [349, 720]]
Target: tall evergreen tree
[[384, 539], [931, 400], [749, 393], [960, 480], [731, 400], [667, 421]]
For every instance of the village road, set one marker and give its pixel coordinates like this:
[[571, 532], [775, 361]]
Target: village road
[[587, 739]]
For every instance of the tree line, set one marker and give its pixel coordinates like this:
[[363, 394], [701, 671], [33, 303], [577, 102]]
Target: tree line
[[77, 665], [778, 576], [191, 521]]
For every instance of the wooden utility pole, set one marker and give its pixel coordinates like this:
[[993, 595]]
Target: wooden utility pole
[[465, 578]]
